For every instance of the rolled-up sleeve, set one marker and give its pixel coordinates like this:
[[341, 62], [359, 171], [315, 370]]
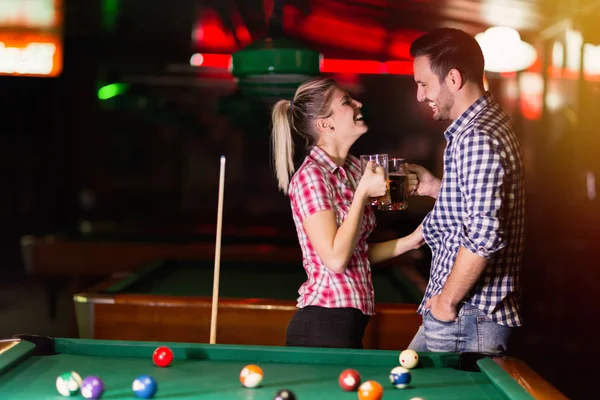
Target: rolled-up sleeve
[[482, 174]]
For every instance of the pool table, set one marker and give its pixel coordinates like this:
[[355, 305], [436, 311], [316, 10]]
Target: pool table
[[171, 300], [74, 261], [30, 365], [108, 248]]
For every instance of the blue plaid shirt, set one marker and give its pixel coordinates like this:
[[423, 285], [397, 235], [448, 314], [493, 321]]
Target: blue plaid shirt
[[480, 207]]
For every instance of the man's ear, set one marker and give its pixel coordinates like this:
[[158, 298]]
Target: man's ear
[[454, 80]]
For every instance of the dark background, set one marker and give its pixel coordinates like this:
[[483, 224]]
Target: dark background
[[152, 154]]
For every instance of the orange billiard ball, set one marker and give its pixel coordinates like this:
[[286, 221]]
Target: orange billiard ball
[[251, 376], [370, 390], [162, 357]]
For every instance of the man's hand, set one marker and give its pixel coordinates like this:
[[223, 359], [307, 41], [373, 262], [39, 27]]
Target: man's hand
[[440, 310], [421, 182]]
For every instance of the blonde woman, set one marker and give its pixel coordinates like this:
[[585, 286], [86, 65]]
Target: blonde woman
[[329, 201]]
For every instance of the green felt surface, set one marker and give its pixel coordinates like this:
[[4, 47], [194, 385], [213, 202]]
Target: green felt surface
[[250, 280], [212, 372]]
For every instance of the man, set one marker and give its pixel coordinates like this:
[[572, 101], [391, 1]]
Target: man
[[476, 227]]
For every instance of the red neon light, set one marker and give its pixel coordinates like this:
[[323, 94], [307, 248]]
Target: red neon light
[[217, 60], [399, 67], [328, 65], [210, 33], [400, 44], [322, 27], [332, 65], [242, 34], [353, 66]]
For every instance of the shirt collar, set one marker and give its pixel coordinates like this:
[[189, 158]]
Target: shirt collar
[[322, 158], [486, 100]]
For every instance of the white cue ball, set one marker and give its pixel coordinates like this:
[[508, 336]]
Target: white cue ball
[[409, 359]]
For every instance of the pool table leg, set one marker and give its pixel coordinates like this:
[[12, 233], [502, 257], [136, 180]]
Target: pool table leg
[[52, 288]]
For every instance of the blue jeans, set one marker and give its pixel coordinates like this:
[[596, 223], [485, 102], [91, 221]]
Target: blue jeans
[[472, 331]]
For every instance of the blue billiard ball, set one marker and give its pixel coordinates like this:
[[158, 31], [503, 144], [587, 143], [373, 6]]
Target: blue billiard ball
[[92, 387], [400, 377], [145, 386]]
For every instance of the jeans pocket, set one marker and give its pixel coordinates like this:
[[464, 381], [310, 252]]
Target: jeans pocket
[[440, 335], [492, 337], [439, 321], [469, 310]]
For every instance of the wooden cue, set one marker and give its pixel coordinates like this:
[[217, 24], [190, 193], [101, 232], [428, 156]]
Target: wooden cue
[[215, 299]]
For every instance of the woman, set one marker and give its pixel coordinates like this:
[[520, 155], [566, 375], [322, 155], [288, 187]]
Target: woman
[[329, 201]]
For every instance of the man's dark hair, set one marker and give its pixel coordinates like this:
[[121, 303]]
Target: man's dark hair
[[449, 48]]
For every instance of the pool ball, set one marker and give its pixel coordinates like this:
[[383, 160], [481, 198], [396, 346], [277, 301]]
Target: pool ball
[[68, 384], [251, 376], [370, 390], [284, 395], [162, 357], [92, 387], [409, 359], [349, 379], [144, 386], [400, 377]]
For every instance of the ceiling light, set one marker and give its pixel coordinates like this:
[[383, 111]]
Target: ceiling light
[[275, 64], [504, 51]]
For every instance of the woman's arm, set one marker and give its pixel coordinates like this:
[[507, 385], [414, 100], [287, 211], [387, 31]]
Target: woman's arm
[[334, 244], [379, 252]]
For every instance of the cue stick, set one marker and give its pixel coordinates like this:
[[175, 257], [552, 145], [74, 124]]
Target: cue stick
[[213, 318]]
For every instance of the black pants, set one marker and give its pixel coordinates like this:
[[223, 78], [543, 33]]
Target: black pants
[[314, 326]]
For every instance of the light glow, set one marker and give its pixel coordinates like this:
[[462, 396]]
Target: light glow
[[30, 56], [30, 13], [504, 51]]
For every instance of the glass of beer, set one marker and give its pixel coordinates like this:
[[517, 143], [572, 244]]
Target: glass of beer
[[398, 182], [381, 160]]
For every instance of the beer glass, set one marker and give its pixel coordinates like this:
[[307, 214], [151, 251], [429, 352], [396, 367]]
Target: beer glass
[[398, 183], [381, 160]]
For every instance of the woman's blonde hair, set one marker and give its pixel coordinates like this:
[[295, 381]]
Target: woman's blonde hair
[[311, 102]]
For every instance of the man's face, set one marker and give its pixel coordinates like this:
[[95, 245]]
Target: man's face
[[431, 91]]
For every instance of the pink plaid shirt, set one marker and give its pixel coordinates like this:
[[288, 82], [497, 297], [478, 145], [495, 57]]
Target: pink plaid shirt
[[318, 185]]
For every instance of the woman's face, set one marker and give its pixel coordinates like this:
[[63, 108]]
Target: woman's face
[[346, 118]]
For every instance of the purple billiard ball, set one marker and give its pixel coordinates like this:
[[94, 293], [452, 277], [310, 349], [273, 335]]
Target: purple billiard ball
[[92, 387]]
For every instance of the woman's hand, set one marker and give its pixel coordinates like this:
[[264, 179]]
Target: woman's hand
[[372, 183], [416, 237]]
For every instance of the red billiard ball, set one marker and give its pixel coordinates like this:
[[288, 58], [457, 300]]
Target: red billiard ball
[[349, 379], [162, 357]]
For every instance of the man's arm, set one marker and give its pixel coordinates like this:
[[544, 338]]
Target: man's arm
[[482, 176], [421, 182], [466, 271]]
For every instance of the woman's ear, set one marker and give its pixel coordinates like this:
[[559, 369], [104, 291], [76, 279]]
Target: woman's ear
[[324, 125]]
